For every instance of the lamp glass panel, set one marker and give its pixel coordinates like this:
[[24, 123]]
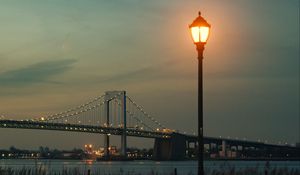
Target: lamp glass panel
[[204, 32], [195, 34]]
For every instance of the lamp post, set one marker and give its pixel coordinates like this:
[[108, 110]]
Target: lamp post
[[200, 31]]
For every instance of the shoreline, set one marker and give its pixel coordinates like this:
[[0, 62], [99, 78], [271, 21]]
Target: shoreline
[[125, 160]]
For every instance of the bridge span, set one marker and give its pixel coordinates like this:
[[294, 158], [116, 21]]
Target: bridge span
[[114, 113], [172, 145], [81, 128]]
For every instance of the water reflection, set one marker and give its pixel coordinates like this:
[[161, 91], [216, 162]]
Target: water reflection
[[89, 162]]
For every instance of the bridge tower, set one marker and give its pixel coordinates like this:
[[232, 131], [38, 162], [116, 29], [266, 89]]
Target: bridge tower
[[120, 96]]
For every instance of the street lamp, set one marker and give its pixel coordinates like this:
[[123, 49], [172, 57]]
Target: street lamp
[[200, 32]]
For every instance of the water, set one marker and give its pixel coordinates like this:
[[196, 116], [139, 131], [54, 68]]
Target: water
[[143, 167]]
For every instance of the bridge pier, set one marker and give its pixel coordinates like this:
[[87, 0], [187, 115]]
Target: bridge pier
[[224, 149], [173, 148], [106, 146]]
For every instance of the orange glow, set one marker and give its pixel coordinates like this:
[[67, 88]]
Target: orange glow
[[89, 162], [200, 34]]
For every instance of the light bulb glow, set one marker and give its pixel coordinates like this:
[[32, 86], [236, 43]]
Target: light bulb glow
[[200, 34]]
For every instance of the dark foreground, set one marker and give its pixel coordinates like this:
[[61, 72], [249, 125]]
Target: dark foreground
[[63, 167], [220, 171]]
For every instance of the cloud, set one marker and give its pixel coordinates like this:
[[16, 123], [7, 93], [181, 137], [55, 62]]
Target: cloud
[[35, 73], [157, 71], [129, 75]]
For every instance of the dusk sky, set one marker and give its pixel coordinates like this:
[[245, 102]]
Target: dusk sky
[[57, 54]]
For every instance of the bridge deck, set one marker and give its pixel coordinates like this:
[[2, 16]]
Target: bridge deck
[[80, 128], [129, 131]]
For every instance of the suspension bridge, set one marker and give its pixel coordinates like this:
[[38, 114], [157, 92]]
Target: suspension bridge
[[115, 113]]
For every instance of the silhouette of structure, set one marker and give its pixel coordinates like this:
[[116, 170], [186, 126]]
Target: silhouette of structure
[[115, 113]]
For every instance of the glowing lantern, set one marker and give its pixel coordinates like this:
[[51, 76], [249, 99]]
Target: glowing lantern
[[200, 30]]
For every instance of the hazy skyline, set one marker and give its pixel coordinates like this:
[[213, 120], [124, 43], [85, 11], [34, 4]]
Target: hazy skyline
[[58, 54]]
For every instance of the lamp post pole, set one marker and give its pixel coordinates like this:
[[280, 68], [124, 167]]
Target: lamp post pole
[[200, 49], [200, 29]]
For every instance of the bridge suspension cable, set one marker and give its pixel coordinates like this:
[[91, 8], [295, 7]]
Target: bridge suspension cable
[[94, 113], [78, 107], [85, 113], [140, 108]]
